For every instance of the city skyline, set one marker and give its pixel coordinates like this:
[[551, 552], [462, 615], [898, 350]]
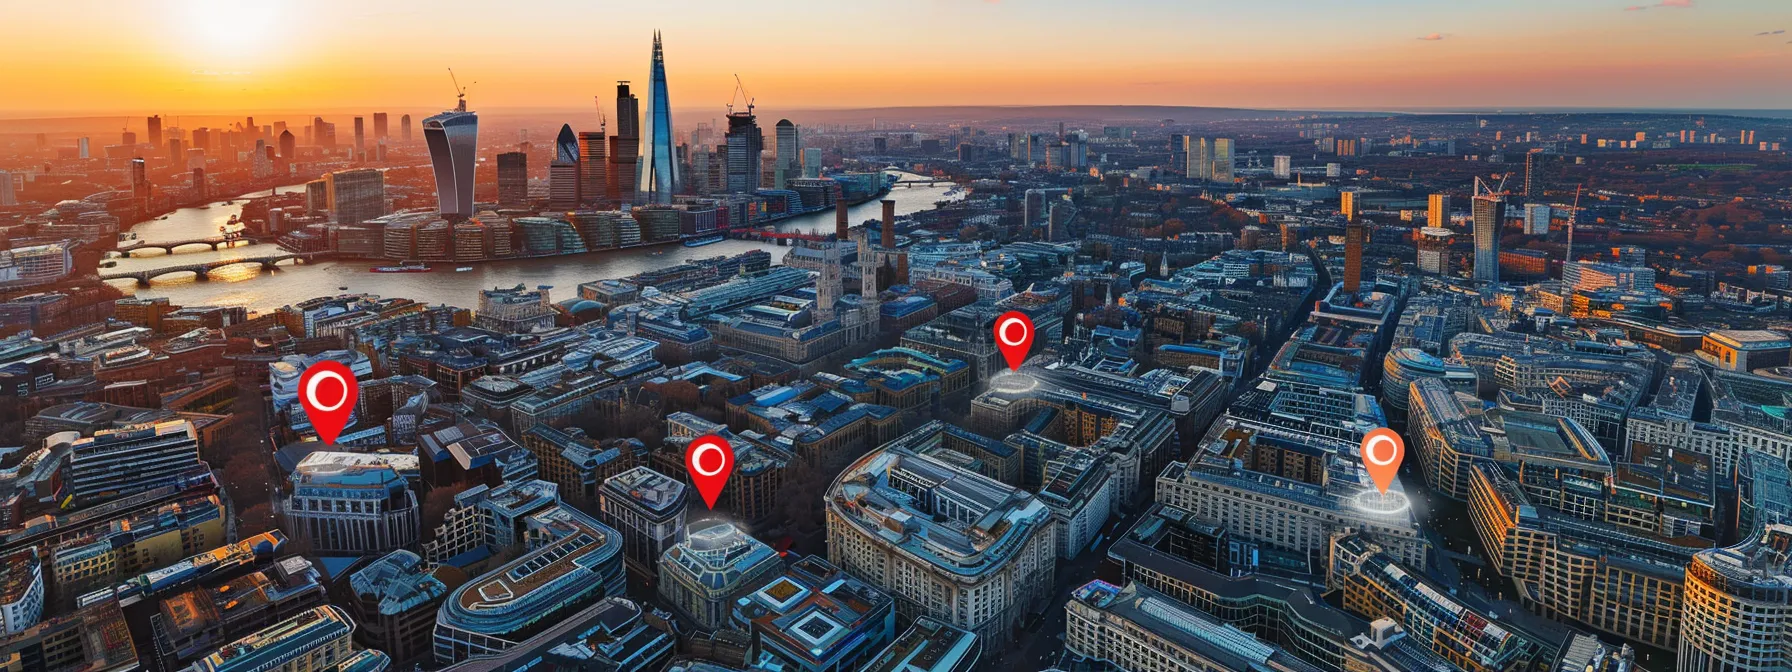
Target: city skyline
[[204, 56]]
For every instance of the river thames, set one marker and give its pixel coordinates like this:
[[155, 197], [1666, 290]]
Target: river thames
[[261, 291]]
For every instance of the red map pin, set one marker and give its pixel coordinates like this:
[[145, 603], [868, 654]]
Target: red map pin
[[327, 391], [1014, 335], [710, 460]]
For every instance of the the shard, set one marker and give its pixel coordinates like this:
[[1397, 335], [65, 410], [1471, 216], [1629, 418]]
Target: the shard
[[659, 173]]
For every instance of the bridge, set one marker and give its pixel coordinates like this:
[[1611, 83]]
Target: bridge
[[201, 270], [214, 242], [780, 237], [924, 182]]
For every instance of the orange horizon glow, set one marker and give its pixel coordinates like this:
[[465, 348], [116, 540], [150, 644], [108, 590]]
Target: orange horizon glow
[[94, 57]]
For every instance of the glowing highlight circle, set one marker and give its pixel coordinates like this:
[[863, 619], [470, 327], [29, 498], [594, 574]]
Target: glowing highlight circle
[[311, 390], [697, 460], [1002, 332]]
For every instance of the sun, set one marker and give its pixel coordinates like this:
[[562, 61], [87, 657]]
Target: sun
[[230, 28]]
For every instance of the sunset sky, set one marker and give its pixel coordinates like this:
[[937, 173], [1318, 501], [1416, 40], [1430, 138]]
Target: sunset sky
[[78, 57]]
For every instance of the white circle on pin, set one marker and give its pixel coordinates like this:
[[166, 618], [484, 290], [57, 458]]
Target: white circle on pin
[[311, 390], [1002, 332], [1370, 455], [697, 459]]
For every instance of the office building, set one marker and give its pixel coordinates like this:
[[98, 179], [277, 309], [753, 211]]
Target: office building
[[563, 172], [659, 179], [1284, 167], [395, 599], [594, 166], [351, 504], [1536, 219], [1437, 212], [1489, 217], [1592, 275], [572, 562], [648, 509], [154, 124], [380, 126], [929, 646], [1355, 234], [311, 641], [702, 576], [115, 463], [453, 139], [404, 129], [360, 139], [1349, 203], [355, 196], [8, 193], [745, 144], [513, 179], [1137, 628], [1434, 250], [815, 618], [958, 546], [788, 158], [1533, 190], [223, 604], [811, 162], [1736, 601], [1743, 350], [625, 147], [22, 591]]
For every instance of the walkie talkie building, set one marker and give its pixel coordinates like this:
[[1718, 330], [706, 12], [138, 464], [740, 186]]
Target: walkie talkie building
[[453, 139]]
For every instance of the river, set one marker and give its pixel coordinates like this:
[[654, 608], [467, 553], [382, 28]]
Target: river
[[261, 291]]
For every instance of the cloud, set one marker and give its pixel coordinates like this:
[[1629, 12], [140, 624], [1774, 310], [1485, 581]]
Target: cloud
[[1770, 32], [1433, 37], [1682, 4]]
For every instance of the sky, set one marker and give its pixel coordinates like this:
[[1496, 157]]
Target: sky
[[101, 57]]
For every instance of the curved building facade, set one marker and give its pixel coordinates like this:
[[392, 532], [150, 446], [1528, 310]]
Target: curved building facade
[[576, 561], [1737, 599], [1402, 366], [453, 139], [946, 542]]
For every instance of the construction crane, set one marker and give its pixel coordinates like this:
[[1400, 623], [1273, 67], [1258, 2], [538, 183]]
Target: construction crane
[[460, 92], [603, 123], [740, 89], [1573, 216]]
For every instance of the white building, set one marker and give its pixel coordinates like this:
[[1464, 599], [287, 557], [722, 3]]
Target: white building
[[351, 504], [22, 589]]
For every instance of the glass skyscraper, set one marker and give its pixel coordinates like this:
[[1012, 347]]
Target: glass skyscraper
[[659, 174], [453, 139]]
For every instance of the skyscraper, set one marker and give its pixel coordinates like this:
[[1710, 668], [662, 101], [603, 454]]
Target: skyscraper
[[380, 127], [625, 146], [1284, 166], [288, 145], [355, 196], [1438, 213], [789, 145], [1489, 214], [453, 139], [155, 131], [84, 148], [360, 139], [563, 173], [660, 173], [1532, 191], [593, 166], [1348, 205], [1354, 234], [745, 143], [812, 162], [404, 129], [1223, 163], [513, 179]]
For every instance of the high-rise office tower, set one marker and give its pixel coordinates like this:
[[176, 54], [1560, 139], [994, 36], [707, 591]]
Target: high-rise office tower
[[155, 131], [1354, 234], [84, 148], [513, 179], [453, 139], [1438, 211], [360, 139], [563, 173], [788, 153], [1434, 250], [317, 131], [379, 126], [812, 162], [404, 129], [289, 145], [659, 178], [1223, 162], [625, 146], [355, 196], [140, 186], [121, 462], [1489, 215], [1284, 166], [745, 143], [1536, 218], [1200, 157], [7, 195], [594, 166], [1348, 205], [1532, 191]]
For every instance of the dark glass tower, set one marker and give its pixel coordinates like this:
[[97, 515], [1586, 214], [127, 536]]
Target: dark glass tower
[[659, 172], [453, 139]]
